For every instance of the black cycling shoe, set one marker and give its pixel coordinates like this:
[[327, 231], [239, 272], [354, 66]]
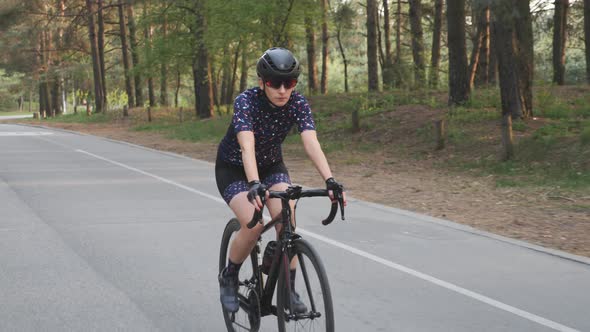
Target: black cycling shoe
[[298, 306], [228, 286]]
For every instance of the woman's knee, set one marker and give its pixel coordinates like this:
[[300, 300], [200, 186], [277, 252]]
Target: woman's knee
[[244, 211]]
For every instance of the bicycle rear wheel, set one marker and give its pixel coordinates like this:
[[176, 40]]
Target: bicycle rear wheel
[[311, 283], [248, 316]]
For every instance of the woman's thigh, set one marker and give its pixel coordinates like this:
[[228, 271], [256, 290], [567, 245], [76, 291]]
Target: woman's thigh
[[275, 205]]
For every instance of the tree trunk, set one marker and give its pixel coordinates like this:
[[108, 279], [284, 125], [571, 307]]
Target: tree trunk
[[559, 39], [312, 67], [436, 38], [45, 86], [458, 78], [98, 90], [148, 34], [388, 63], [244, 69], [325, 47], [524, 36], [506, 49], [493, 65], [215, 84], [373, 79], [164, 69], [52, 87], [475, 55], [59, 87], [417, 42], [201, 68], [380, 53], [177, 89], [134, 54], [344, 60], [225, 77], [482, 71], [126, 68], [398, 46], [234, 76], [100, 41], [507, 138], [587, 37]]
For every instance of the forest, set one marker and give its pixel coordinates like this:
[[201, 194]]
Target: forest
[[108, 55]]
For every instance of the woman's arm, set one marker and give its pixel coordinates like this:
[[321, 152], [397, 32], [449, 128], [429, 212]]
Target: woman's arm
[[246, 141], [247, 145], [314, 151]]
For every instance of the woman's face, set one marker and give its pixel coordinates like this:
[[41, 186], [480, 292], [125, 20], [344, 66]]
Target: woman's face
[[278, 96]]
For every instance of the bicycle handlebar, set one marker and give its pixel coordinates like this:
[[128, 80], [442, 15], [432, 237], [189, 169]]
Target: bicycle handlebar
[[297, 192]]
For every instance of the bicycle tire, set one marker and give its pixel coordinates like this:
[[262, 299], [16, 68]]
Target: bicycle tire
[[315, 291], [248, 316]]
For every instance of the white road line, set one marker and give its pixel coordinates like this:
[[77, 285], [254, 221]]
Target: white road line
[[476, 296], [217, 199], [442, 283], [25, 133]]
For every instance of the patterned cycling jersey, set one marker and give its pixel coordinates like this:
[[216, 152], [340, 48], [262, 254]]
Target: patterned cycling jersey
[[253, 112]]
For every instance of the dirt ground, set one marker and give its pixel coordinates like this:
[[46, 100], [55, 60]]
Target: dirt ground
[[545, 217]]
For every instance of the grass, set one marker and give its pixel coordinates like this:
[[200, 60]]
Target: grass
[[15, 113], [81, 118], [209, 130]]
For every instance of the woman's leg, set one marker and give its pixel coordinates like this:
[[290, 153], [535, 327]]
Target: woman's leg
[[246, 238]]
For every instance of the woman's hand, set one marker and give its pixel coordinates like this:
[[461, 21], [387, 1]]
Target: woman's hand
[[335, 190], [257, 194]]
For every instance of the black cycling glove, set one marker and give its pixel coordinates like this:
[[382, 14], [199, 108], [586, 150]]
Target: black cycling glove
[[256, 189], [336, 187]]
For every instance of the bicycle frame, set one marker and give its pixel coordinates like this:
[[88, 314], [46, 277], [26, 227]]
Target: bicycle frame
[[285, 237], [285, 240]]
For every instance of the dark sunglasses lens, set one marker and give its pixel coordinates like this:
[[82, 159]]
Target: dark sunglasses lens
[[290, 83], [276, 84], [273, 84]]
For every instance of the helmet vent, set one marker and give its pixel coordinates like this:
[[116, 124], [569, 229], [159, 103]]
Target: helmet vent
[[275, 67]]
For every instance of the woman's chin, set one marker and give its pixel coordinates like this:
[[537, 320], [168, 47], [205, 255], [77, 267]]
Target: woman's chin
[[280, 102]]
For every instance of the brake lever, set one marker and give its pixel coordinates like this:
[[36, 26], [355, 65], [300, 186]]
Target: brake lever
[[334, 209], [341, 203], [257, 217]]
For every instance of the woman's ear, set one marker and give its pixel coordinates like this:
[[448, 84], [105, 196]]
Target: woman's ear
[[261, 83]]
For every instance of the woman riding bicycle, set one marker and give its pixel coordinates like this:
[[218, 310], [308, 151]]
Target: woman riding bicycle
[[250, 162]]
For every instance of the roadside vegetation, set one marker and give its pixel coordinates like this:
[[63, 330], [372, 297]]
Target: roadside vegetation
[[552, 148]]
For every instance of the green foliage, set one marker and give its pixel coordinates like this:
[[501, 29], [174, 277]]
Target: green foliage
[[585, 136], [463, 115], [484, 98], [81, 117], [211, 130], [10, 89], [117, 99]]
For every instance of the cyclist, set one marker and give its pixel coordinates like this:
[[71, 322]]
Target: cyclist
[[250, 162]]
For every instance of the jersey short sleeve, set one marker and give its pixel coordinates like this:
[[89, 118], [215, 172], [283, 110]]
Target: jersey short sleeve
[[304, 118], [242, 118]]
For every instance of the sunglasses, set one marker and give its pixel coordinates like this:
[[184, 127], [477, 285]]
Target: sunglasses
[[276, 84]]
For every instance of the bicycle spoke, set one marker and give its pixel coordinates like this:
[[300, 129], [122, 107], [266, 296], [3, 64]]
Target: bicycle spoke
[[312, 286], [306, 279]]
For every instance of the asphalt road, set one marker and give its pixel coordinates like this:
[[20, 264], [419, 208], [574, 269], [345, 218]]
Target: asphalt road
[[99, 235]]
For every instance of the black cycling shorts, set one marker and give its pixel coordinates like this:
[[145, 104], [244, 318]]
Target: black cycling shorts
[[231, 179]]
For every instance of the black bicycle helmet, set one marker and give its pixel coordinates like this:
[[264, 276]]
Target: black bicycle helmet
[[278, 63]]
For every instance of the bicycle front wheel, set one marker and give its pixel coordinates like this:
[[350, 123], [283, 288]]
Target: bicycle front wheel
[[248, 316], [311, 284]]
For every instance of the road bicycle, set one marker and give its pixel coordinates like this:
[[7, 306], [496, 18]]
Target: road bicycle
[[257, 291]]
